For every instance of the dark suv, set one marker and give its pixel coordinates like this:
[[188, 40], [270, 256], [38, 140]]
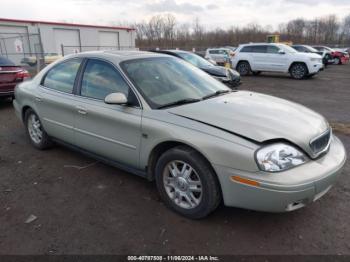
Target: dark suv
[[326, 57], [228, 76]]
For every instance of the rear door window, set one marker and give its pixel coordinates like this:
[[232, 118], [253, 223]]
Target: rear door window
[[259, 49], [62, 76], [247, 49]]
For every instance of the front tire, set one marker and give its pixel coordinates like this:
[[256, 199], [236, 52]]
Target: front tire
[[187, 183], [35, 131], [298, 71], [243, 68]]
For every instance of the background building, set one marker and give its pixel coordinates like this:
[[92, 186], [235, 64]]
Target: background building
[[23, 38]]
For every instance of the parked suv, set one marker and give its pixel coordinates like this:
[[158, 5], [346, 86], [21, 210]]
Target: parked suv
[[228, 76], [256, 58], [326, 57]]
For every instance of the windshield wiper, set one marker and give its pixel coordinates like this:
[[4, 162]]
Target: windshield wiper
[[219, 92], [180, 102]]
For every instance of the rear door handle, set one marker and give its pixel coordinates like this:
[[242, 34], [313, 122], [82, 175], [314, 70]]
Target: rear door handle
[[81, 110]]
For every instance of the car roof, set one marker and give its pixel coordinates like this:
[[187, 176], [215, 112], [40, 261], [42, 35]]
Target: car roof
[[173, 51], [302, 45], [253, 44], [119, 56]]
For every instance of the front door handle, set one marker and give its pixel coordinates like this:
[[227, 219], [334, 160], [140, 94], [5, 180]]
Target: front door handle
[[81, 110]]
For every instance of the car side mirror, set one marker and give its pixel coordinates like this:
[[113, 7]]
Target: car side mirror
[[281, 52], [116, 99]]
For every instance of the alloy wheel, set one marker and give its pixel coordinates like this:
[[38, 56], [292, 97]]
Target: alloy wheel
[[35, 129], [182, 184], [243, 69], [298, 71]]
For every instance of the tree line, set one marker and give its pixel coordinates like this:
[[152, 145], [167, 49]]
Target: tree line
[[164, 31]]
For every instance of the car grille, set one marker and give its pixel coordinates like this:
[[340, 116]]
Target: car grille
[[321, 143]]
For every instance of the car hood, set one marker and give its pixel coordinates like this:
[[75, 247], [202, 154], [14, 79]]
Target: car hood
[[219, 71], [308, 55], [257, 117]]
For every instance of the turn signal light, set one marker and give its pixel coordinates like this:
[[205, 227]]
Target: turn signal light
[[245, 181], [23, 75]]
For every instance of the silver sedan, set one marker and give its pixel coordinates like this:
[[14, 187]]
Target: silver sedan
[[161, 118]]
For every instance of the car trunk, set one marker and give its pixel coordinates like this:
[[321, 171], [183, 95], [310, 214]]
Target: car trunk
[[8, 77]]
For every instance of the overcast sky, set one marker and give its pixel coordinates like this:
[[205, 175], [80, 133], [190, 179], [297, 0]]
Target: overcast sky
[[212, 13]]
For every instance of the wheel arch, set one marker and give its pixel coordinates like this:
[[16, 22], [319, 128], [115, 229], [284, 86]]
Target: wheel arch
[[298, 62], [164, 146], [243, 60], [24, 110]]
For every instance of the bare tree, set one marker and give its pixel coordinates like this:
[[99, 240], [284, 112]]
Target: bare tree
[[163, 31]]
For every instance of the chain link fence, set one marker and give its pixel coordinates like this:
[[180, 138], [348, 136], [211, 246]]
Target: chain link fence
[[23, 49]]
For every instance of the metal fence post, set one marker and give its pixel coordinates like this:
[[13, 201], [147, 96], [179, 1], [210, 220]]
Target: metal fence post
[[62, 49]]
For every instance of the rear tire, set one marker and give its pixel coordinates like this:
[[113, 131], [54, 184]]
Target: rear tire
[[243, 68], [337, 61], [298, 71], [187, 183], [35, 131]]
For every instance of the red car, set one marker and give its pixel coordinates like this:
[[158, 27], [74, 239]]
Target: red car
[[339, 57], [10, 76]]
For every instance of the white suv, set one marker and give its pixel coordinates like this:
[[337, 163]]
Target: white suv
[[255, 58]]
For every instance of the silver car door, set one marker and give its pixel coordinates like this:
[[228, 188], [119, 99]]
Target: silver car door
[[55, 100], [111, 131]]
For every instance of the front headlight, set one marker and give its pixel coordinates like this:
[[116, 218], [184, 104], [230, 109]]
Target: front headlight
[[316, 59], [279, 157]]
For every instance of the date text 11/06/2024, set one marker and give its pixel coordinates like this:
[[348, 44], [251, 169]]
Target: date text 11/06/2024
[[173, 258]]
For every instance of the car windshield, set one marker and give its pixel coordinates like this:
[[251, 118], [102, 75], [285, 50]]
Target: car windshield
[[287, 49], [195, 60], [167, 80], [311, 49]]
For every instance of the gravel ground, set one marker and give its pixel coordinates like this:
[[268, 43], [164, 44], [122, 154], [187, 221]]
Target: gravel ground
[[102, 210]]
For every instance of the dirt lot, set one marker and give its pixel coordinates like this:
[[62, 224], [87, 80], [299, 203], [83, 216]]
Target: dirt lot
[[102, 210]]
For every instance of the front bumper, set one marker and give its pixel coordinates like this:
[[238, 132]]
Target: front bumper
[[7, 89], [345, 59], [283, 191], [314, 68], [6, 93]]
